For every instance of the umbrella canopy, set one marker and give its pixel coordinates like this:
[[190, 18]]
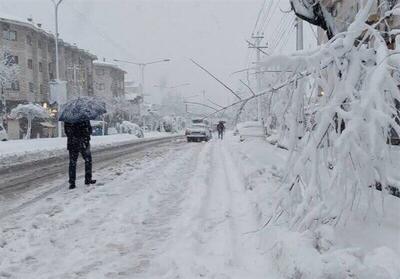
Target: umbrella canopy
[[82, 109]]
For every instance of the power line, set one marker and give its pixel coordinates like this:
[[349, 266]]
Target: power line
[[279, 31], [268, 19], [287, 37], [99, 31], [266, 14], [285, 33], [259, 15]]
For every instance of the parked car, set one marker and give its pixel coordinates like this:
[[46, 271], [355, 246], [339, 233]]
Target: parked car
[[251, 129], [3, 133], [97, 127], [198, 132]]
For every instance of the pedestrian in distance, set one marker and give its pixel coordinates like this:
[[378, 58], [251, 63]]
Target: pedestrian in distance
[[78, 141], [221, 130]]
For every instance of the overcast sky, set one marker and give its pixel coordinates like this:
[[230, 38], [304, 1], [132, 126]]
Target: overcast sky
[[211, 32]]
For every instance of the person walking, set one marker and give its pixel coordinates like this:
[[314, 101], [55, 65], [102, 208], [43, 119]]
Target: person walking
[[78, 141], [221, 129]]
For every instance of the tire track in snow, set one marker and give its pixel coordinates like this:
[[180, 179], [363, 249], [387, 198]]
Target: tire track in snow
[[215, 245]]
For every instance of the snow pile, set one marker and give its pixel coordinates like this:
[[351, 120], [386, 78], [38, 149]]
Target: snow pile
[[300, 255], [19, 151], [364, 245]]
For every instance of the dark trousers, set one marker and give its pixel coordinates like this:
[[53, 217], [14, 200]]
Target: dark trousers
[[73, 158], [220, 134]]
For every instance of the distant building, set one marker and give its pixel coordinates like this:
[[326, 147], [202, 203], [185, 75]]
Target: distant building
[[109, 85], [33, 49], [109, 80], [134, 96]]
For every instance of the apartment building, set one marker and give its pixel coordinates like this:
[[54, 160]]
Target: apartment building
[[33, 50], [109, 85], [109, 80]]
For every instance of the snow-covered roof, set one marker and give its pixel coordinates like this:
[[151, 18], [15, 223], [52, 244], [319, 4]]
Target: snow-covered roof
[[11, 19], [108, 64], [19, 21]]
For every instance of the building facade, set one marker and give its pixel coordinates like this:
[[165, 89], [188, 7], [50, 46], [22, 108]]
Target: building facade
[[109, 85], [109, 80], [134, 96], [33, 50]]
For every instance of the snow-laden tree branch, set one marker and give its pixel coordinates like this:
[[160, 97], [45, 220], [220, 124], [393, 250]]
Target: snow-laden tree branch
[[30, 112], [347, 90], [8, 68]]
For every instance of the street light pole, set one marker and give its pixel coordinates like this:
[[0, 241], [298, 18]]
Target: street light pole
[[56, 4], [142, 67]]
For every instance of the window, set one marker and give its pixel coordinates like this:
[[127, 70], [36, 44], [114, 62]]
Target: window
[[100, 72], [29, 40], [30, 64], [100, 86], [10, 35], [40, 44], [31, 87], [13, 86], [40, 67], [10, 59], [41, 88]]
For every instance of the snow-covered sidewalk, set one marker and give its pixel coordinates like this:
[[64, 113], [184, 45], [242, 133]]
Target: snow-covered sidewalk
[[34, 149]]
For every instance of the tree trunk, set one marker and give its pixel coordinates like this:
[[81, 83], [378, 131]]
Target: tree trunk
[[29, 130]]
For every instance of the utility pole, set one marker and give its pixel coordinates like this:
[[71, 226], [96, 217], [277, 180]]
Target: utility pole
[[4, 104], [299, 34], [56, 4], [300, 46], [257, 45]]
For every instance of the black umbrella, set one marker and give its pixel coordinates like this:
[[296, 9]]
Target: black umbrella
[[82, 109]]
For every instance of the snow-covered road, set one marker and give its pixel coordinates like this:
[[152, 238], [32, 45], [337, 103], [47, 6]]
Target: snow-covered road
[[177, 211], [187, 210]]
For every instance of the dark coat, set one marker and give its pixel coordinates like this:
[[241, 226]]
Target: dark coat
[[78, 135], [220, 127]]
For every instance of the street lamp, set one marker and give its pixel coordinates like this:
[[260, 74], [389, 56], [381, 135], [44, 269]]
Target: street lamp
[[56, 4], [142, 67]]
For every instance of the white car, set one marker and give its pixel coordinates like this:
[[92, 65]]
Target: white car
[[251, 129], [3, 133], [198, 132]]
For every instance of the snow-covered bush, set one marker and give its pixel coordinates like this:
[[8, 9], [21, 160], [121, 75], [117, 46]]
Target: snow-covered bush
[[30, 112], [131, 128], [348, 90]]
